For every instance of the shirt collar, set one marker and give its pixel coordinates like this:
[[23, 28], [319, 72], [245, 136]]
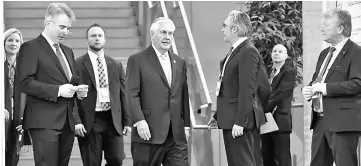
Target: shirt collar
[[238, 42], [159, 54], [47, 39], [95, 56], [340, 45]]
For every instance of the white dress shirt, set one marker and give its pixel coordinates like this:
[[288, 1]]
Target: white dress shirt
[[93, 58], [166, 64], [51, 43], [338, 48]]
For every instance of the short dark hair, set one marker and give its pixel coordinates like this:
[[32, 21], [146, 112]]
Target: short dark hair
[[94, 25]]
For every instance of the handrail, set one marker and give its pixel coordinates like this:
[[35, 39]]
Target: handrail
[[195, 53], [165, 14]]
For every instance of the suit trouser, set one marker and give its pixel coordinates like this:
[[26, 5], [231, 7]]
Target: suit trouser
[[257, 148], [102, 137], [328, 146], [169, 153], [276, 149], [240, 150], [52, 147]]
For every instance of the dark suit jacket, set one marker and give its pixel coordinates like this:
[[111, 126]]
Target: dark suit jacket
[[341, 105], [86, 107], [7, 98], [39, 74], [281, 97], [244, 90], [153, 100]]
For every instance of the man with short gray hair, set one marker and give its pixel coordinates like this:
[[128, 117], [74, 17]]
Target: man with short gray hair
[[46, 73], [335, 93], [157, 91], [242, 91]]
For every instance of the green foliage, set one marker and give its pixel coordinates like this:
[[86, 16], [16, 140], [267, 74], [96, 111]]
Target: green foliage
[[278, 22]]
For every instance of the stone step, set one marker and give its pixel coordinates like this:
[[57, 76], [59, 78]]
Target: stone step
[[74, 161], [81, 32], [79, 13], [22, 23], [71, 4]]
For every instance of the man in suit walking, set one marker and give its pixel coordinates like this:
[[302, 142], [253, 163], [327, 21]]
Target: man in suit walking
[[158, 98], [335, 93], [276, 145], [46, 72], [242, 91], [102, 117]]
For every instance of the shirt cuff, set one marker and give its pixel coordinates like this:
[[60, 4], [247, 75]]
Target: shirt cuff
[[136, 124], [187, 128], [323, 89]]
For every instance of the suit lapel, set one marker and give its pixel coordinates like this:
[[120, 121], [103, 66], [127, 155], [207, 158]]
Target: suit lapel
[[111, 70], [88, 65], [174, 68], [51, 52], [154, 61], [67, 54], [319, 64], [235, 51], [338, 59], [277, 78]]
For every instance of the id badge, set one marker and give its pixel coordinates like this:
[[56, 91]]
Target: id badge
[[104, 95], [218, 87]]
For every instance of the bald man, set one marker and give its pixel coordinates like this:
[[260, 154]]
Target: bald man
[[276, 145]]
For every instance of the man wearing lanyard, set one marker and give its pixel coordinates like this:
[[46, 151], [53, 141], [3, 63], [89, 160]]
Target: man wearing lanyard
[[238, 104], [335, 93]]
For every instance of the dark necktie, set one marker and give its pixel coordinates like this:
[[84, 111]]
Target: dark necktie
[[316, 101], [62, 61], [102, 81], [272, 75], [225, 60]]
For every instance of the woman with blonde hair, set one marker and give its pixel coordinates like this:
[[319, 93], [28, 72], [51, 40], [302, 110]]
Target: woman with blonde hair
[[14, 99]]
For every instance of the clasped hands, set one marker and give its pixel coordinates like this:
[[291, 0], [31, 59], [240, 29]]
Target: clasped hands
[[68, 90], [314, 91]]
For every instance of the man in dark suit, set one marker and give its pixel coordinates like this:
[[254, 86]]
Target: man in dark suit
[[276, 145], [102, 117], [158, 98], [46, 72], [242, 90], [335, 93]]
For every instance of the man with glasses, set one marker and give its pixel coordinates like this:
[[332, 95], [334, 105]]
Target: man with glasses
[[242, 91], [46, 73], [335, 94]]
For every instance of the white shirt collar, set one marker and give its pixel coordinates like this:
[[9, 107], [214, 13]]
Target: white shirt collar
[[158, 53], [340, 45], [95, 56], [238, 42], [48, 39]]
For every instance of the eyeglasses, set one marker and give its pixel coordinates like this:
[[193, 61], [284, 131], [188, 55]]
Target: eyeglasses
[[63, 28]]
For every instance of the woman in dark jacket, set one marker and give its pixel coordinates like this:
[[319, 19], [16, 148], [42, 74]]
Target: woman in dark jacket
[[16, 137]]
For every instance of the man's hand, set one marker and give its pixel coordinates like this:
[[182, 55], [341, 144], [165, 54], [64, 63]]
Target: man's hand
[[307, 92], [80, 130], [143, 130], [67, 90], [127, 130], [19, 128], [6, 114], [212, 123], [237, 131], [186, 130], [82, 91]]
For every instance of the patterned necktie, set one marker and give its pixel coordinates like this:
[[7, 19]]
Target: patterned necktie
[[102, 81], [11, 78], [272, 75], [62, 62], [316, 101]]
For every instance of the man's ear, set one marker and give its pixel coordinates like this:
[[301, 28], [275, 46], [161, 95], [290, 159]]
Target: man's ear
[[340, 29]]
